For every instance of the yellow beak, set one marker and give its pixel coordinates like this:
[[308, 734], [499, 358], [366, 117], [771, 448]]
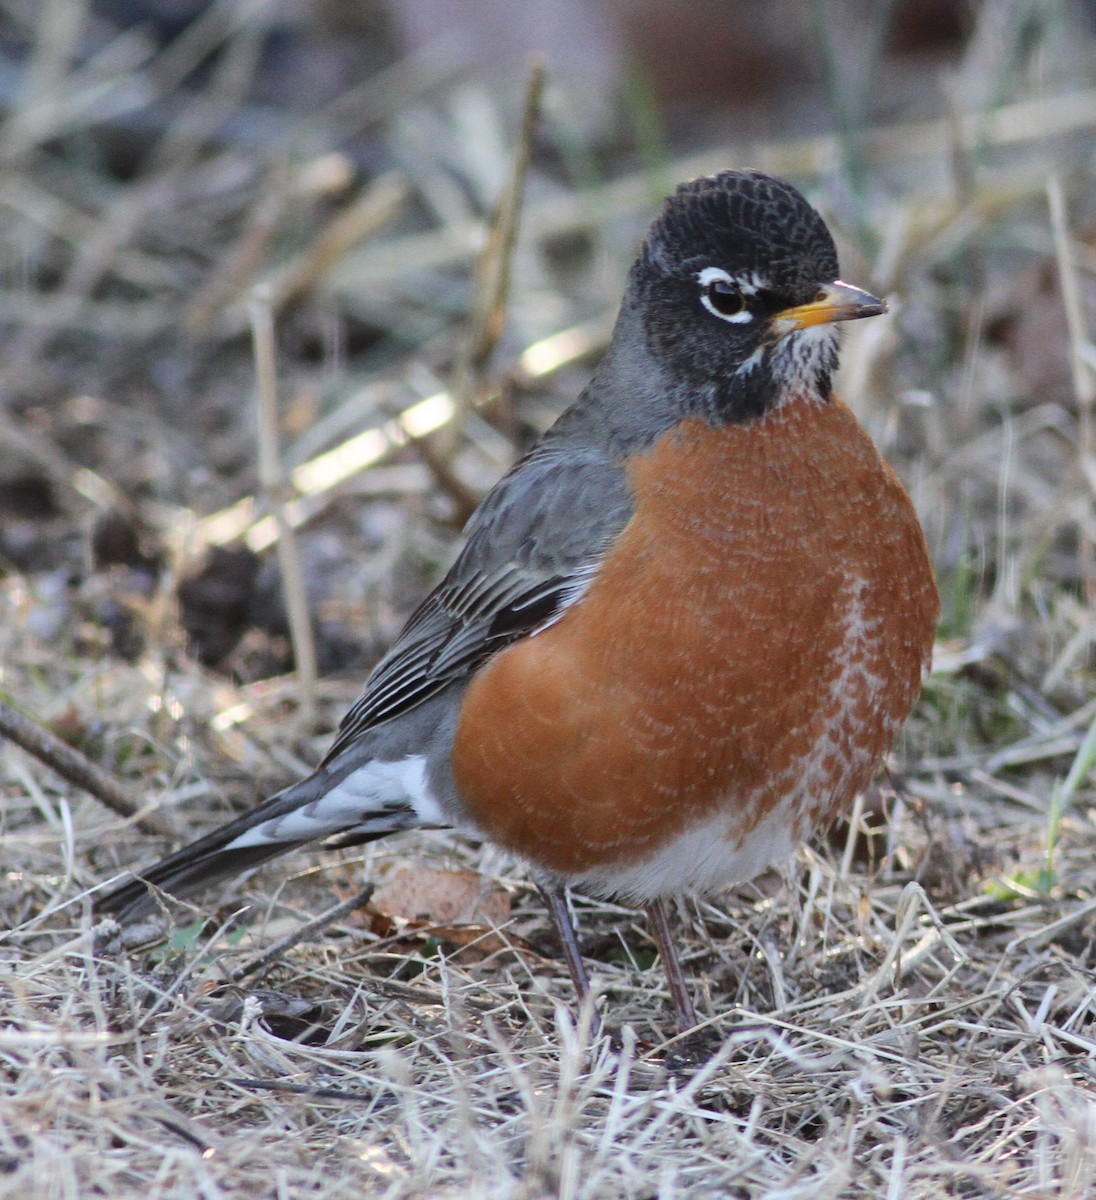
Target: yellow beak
[[836, 301]]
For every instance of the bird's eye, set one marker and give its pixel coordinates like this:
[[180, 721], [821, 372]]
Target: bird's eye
[[726, 299]]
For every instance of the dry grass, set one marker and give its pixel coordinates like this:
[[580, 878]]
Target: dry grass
[[908, 1013]]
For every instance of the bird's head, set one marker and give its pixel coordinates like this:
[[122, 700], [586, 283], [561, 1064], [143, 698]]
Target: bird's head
[[738, 294]]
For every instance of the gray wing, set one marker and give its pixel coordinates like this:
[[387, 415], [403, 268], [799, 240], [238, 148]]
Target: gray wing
[[533, 544]]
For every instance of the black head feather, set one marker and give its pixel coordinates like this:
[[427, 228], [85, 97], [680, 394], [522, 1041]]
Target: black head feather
[[741, 221], [758, 230]]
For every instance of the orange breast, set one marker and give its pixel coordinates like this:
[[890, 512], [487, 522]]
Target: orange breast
[[754, 639]]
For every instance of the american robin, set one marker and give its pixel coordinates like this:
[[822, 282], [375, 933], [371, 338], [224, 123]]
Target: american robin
[[682, 630]]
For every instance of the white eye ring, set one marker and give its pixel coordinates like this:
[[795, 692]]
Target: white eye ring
[[708, 278]]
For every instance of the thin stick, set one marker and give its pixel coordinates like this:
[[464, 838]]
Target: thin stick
[[304, 933], [70, 764], [492, 282], [354, 223], [464, 498], [240, 263], [273, 484], [1084, 382], [359, 220]]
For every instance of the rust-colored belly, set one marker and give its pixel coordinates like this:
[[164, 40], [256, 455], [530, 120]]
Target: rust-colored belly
[[751, 643]]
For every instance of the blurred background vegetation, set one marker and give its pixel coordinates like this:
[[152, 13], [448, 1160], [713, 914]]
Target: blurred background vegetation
[[162, 160]]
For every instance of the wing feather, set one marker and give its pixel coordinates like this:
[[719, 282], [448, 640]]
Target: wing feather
[[532, 547]]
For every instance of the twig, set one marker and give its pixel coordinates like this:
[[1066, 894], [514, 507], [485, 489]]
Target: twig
[[319, 179], [304, 933], [305, 1089], [240, 263], [439, 464], [72, 480], [492, 281], [360, 219], [70, 764], [1084, 381], [273, 484], [55, 53]]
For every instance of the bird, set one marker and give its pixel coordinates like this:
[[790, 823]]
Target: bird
[[681, 632]]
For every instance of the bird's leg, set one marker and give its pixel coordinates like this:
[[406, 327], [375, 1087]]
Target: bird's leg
[[679, 992], [555, 898]]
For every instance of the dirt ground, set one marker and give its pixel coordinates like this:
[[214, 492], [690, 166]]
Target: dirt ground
[[908, 1009]]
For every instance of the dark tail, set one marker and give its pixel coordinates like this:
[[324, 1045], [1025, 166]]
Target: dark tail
[[214, 858], [189, 870]]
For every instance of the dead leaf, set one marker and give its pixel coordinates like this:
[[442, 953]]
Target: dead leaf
[[439, 897]]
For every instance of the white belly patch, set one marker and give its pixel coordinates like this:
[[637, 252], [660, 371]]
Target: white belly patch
[[702, 859]]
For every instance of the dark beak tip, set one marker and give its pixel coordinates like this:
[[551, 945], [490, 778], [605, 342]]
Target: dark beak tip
[[871, 306]]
